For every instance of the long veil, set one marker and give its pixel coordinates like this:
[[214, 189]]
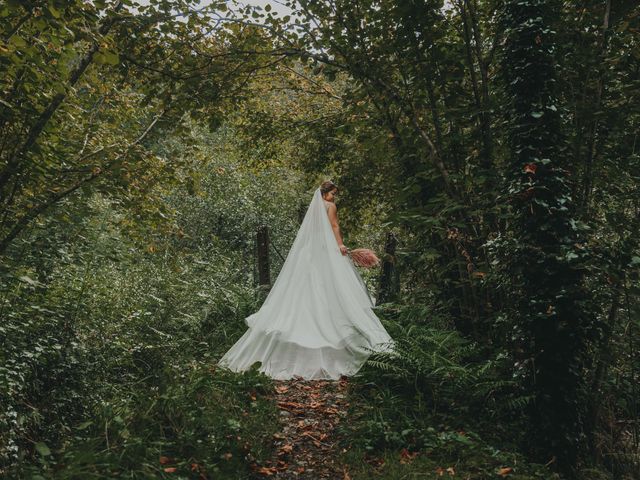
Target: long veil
[[316, 321]]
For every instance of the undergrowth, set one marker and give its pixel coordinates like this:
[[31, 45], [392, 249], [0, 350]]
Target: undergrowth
[[438, 405], [206, 423]]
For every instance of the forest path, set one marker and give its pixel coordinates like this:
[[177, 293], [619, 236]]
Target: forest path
[[307, 447]]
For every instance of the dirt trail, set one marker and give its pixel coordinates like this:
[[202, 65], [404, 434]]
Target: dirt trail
[[307, 447]]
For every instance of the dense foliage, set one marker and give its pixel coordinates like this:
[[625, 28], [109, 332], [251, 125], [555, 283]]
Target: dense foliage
[[142, 146]]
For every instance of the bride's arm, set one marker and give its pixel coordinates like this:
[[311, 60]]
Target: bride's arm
[[333, 218]]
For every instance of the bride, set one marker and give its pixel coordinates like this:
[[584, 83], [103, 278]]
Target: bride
[[317, 321]]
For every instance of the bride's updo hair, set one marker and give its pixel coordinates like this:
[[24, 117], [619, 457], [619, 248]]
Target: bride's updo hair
[[327, 186]]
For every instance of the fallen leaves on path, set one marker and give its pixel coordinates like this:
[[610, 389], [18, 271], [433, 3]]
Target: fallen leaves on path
[[307, 446]]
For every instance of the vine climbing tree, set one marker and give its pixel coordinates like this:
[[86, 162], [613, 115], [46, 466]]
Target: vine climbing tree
[[548, 259]]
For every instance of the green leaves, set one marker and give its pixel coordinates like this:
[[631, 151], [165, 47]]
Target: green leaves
[[53, 11], [17, 41], [42, 449], [106, 57], [29, 280]]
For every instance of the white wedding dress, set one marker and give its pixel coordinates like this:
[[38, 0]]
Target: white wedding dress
[[317, 321]]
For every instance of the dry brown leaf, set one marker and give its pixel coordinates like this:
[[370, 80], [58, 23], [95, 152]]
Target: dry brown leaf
[[441, 471], [287, 405], [286, 448], [268, 471], [374, 461], [164, 460], [406, 456], [504, 471]]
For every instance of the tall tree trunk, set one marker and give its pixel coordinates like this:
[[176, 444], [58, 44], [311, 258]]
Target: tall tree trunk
[[605, 359], [587, 177], [550, 294], [471, 36]]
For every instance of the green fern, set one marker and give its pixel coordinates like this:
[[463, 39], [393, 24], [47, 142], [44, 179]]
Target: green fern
[[431, 361]]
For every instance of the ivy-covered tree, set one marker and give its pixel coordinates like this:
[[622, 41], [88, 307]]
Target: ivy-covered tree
[[548, 258]]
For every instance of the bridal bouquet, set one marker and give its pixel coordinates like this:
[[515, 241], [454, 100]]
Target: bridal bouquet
[[364, 257]]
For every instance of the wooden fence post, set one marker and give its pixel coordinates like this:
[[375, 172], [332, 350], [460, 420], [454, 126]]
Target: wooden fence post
[[388, 277], [264, 277]]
